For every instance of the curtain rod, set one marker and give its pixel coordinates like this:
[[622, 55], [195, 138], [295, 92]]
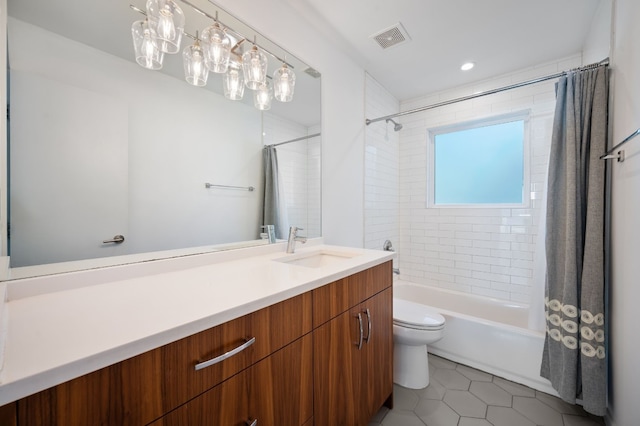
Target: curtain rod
[[295, 140], [604, 62]]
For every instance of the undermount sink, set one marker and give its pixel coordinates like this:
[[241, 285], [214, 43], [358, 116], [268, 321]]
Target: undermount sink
[[317, 259]]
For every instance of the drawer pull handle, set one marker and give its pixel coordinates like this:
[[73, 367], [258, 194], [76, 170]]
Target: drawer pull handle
[[359, 344], [252, 423], [226, 355], [369, 326]]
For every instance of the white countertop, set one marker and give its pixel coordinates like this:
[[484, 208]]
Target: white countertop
[[55, 336]]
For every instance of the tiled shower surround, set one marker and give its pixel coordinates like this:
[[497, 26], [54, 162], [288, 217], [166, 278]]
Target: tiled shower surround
[[484, 251], [299, 164]]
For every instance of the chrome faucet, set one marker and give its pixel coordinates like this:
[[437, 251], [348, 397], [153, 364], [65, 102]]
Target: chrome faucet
[[293, 237]]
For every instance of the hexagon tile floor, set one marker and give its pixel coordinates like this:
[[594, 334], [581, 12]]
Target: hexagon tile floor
[[458, 395]]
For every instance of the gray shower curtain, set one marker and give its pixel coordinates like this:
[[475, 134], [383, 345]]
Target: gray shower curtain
[[574, 349], [273, 206]]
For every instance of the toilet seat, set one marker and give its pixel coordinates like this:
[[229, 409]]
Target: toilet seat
[[414, 315]]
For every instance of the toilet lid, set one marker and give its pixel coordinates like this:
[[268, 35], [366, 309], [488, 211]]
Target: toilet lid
[[416, 315]]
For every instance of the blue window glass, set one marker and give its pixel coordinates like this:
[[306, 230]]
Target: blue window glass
[[483, 165]]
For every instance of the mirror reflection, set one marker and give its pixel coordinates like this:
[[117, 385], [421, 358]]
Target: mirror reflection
[[108, 159]]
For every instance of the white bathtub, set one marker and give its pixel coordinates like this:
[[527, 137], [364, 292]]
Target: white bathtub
[[488, 334]]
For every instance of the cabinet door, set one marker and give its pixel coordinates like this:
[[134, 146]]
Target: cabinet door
[[339, 296], [281, 391], [127, 393], [377, 353], [337, 377], [8, 416]]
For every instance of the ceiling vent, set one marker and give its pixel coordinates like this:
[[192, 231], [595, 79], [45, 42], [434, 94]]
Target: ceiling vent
[[391, 36]]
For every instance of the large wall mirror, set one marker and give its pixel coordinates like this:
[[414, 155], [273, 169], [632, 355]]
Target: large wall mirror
[[100, 147]]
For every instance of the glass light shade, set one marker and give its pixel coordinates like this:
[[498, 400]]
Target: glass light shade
[[262, 96], [217, 48], [166, 19], [233, 84], [195, 69], [254, 67], [145, 45], [284, 81]]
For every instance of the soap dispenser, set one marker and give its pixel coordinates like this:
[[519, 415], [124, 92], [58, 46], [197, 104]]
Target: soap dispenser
[[270, 234]]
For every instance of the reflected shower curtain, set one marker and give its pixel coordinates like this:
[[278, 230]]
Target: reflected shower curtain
[[574, 349], [274, 211]]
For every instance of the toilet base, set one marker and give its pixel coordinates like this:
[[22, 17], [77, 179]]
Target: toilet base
[[410, 366]]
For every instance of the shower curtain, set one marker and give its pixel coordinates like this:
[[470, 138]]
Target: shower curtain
[[574, 349], [274, 210]]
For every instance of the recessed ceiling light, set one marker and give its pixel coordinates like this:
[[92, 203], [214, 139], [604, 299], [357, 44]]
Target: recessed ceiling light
[[467, 66]]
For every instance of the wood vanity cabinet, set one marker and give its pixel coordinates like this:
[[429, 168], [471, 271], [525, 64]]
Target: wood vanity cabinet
[[353, 366], [142, 389], [305, 368]]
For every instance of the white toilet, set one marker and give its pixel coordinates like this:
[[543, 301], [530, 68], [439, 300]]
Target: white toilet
[[414, 327]]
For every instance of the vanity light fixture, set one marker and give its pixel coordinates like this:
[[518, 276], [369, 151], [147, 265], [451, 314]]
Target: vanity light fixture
[[217, 47], [254, 67], [195, 68], [145, 45], [284, 81], [262, 96], [218, 50], [233, 83], [166, 19]]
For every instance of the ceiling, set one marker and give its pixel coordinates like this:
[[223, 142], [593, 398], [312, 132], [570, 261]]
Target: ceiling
[[500, 36]]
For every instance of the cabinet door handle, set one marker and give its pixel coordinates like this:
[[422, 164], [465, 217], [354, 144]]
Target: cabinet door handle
[[252, 423], [226, 355], [366, 339], [359, 344]]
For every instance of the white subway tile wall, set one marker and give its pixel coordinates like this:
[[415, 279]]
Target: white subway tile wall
[[485, 251], [299, 165], [382, 174], [314, 180]]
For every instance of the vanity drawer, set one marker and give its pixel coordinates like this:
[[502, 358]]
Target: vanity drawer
[[333, 299], [272, 328], [278, 390], [141, 389]]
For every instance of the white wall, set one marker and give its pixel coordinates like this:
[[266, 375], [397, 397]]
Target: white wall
[[179, 138], [485, 251], [382, 174], [624, 346], [598, 41], [286, 23]]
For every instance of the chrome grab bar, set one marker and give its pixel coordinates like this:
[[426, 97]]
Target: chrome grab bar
[[226, 355], [213, 185], [359, 344], [369, 325]]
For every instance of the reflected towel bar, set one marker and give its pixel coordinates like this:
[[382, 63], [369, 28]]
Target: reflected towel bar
[[245, 188], [620, 154]]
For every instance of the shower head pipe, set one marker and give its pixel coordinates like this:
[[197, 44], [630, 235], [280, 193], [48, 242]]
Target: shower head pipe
[[396, 126]]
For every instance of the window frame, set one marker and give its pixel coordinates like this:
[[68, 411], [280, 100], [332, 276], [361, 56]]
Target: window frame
[[524, 116]]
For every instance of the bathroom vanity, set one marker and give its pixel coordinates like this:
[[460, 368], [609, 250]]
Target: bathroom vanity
[[302, 339]]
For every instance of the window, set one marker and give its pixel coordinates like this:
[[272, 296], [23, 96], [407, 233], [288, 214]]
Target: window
[[480, 164]]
